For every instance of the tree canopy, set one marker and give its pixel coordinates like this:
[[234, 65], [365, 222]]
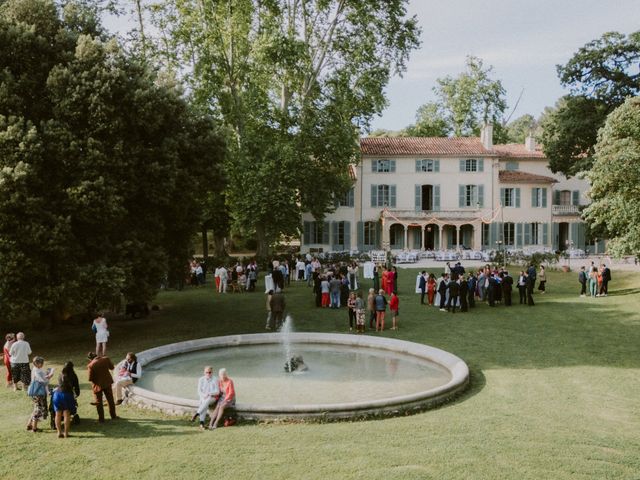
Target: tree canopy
[[463, 104], [600, 76], [101, 165], [615, 180], [294, 82]]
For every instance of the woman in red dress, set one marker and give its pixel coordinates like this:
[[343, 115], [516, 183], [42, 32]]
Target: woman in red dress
[[431, 288], [10, 339]]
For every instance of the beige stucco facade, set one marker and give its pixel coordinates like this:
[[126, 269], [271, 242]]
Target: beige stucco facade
[[439, 194]]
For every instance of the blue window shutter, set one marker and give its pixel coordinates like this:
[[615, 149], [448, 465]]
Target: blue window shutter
[[518, 232], [517, 198], [575, 197], [347, 235], [374, 195], [544, 198], [545, 233], [418, 165], [527, 234], [534, 197], [436, 165], [460, 196], [360, 236], [378, 240], [374, 166], [555, 236], [418, 198], [481, 165], [556, 197], [392, 196], [325, 233], [334, 236], [502, 196], [481, 195], [579, 239], [306, 233], [436, 198], [462, 165], [392, 165]]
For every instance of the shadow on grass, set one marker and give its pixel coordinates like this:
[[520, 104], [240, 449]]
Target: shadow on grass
[[132, 428], [626, 291]]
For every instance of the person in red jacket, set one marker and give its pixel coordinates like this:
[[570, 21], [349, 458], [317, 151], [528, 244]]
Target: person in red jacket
[[394, 303]]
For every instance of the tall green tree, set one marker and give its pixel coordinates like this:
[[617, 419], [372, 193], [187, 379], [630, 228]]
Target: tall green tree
[[463, 104], [615, 180], [431, 121], [101, 166], [294, 82], [600, 76], [519, 129]]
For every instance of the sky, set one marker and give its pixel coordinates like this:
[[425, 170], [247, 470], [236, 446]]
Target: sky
[[522, 40]]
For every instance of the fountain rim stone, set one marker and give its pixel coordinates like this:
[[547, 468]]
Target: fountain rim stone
[[388, 406]]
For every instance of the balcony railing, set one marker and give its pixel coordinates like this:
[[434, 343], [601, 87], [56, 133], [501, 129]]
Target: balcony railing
[[423, 214], [565, 210]]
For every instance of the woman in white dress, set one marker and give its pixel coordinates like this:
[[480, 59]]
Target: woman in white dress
[[101, 329]]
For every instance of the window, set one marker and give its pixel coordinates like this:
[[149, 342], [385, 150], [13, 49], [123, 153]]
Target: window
[[564, 197], [338, 234], [510, 197], [316, 232], [370, 234], [511, 166], [427, 165], [471, 196], [471, 165], [383, 166], [509, 233], [535, 234], [485, 234], [347, 200], [538, 197], [383, 195]]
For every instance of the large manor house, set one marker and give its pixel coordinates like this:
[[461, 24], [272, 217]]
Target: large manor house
[[451, 194]]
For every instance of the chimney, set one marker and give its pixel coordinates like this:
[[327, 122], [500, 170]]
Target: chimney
[[530, 143], [486, 136]]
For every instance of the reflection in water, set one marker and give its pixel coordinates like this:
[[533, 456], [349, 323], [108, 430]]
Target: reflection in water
[[339, 374]]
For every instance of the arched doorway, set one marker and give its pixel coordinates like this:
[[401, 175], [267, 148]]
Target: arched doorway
[[396, 236], [431, 237], [466, 237]]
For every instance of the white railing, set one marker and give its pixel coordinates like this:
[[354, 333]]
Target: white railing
[[565, 209], [424, 214]]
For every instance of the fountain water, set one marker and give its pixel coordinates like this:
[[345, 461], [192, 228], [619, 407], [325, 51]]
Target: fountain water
[[285, 333]]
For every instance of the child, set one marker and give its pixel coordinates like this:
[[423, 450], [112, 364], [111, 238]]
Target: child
[[269, 295], [324, 288], [394, 303], [359, 307], [351, 307]]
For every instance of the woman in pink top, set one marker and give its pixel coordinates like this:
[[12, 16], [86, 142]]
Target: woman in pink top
[[227, 398]]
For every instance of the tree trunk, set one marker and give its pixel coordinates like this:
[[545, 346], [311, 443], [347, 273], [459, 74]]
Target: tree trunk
[[263, 249], [205, 244], [219, 249]]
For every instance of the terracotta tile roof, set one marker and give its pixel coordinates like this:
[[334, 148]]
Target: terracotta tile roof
[[423, 146], [515, 176], [442, 146], [517, 150]]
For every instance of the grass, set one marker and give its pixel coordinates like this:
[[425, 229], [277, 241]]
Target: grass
[[554, 394]]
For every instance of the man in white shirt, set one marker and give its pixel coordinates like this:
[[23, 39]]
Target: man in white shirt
[[20, 370], [208, 393]]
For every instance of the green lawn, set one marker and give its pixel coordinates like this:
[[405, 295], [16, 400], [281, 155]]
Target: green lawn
[[555, 394]]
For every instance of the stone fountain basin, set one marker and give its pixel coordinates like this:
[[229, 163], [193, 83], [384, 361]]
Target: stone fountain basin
[[393, 405]]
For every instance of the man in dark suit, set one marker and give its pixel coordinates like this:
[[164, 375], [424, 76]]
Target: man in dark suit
[[472, 283], [454, 291], [530, 282], [531, 272], [507, 287], [464, 289], [606, 278], [101, 382], [442, 290], [422, 286]]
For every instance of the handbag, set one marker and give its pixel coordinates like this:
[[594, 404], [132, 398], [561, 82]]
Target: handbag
[[36, 389], [94, 329]]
